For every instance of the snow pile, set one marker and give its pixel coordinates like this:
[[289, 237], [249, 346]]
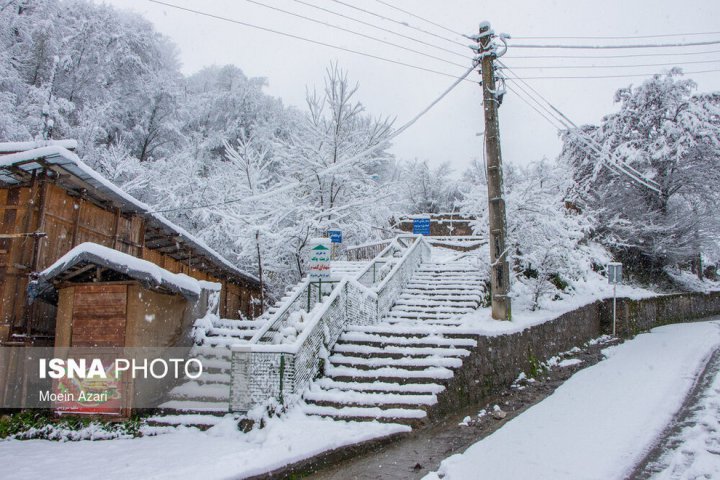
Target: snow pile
[[13, 147], [219, 453], [603, 420], [690, 281]]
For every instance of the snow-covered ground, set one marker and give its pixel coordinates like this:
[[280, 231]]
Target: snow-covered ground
[[693, 450], [221, 452], [604, 420], [589, 288]]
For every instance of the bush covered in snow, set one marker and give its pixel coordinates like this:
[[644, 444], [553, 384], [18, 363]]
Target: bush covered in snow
[[40, 424], [547, 239]]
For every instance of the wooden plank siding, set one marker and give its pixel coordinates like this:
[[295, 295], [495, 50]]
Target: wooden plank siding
[[99, 316], [68, 219]]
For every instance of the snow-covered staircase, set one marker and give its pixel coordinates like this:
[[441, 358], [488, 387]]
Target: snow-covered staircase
[[393, 371], [203, 402]]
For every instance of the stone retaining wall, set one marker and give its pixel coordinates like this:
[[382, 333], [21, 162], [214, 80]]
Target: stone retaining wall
[[496, 361]]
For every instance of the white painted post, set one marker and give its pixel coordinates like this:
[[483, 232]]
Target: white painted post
[[614, 307], [614, 274]]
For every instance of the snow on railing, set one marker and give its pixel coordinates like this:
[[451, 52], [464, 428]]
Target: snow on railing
[[278, 319], [262, 371], [366, 251], [390, 287]]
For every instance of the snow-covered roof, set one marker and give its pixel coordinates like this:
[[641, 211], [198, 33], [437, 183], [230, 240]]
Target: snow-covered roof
[[89, 254], [14, 147], [80, 175]]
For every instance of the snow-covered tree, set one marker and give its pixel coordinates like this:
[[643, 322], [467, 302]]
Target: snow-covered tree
[[672, 137], [547, 239], [425, 189], [335, 157]]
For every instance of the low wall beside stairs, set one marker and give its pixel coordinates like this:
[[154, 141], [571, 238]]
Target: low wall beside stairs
[[497, 361]]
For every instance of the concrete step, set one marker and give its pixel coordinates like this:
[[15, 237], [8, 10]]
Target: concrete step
[[382, 400], [380, 387], [208, 351], [201, 421], [409, 294], [390, 374], [393, 351], [432, 311], [418, 329], [231, 324], [192, 406], [431, 302], [376, 339], [196, 391], [231, 332], [409, 363], [413, 320], [424, 318], [406, 416]]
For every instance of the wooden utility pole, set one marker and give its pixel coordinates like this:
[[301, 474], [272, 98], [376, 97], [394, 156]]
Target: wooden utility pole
[[500, 270]]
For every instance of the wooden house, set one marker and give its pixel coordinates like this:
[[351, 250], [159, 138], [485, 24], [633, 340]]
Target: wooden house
[[51, 202]]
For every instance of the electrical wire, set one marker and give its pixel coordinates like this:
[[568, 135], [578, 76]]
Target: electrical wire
[[614, 66], [387, 4], [377, 27], [591, 77], [599, 47], [615, 164], [626, 37], [565, 118], [632, 55], [370, 37], [404, 24], [586, 141], [304, 39]]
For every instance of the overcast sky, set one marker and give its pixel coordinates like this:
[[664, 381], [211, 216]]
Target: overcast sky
[[449, 131]]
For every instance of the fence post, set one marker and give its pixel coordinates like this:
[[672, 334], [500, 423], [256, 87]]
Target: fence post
[[240, 397]]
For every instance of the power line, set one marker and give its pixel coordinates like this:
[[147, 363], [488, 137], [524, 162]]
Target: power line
[[564, 117], [625, 37], [632, 55], [615, 66], [586, 141], [419, 17], [362, 22], [304, 39], [590, 77], [336, 166], [616, 163], [598, 47], [404, 24], [370, 37]]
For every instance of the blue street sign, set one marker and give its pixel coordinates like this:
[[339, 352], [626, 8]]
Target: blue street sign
[[421, 226], [335, 236]]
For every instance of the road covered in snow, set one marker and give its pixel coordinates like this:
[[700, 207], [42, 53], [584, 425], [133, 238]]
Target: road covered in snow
[[604, 420]]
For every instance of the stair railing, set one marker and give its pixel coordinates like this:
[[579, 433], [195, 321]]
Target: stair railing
[[263, 372]]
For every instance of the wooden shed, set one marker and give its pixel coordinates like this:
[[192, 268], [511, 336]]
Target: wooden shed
[[106, 298], [50, 202], [110, 302]]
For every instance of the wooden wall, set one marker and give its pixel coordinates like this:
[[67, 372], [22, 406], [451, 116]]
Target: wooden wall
[[68, 221]]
